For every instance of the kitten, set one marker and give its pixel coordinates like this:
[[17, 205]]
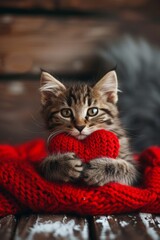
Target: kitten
[[80, 110]]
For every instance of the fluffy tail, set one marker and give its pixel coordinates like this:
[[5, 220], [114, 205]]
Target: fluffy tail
[[138, 69]]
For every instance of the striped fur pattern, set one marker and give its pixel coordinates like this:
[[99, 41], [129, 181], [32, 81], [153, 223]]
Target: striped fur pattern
[[79, 110], [138, 69]]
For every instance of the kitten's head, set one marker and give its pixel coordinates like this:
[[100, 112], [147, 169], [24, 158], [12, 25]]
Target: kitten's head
[[79, 109]]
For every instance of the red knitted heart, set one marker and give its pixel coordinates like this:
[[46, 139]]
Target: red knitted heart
[[100, 143]]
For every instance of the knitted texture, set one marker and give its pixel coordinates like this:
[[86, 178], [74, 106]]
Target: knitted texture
[[99, 144], [24, 190]]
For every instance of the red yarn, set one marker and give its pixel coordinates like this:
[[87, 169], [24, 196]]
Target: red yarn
[[23, 189], [99, 144]]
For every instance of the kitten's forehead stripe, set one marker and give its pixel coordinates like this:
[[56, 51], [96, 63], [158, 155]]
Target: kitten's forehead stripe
[[69, 101], [88, 95], [79, 94], [71, 97]]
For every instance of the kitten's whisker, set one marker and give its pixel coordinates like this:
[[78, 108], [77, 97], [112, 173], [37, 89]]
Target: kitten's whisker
[[53, 134], [68, 134], [38, 124]]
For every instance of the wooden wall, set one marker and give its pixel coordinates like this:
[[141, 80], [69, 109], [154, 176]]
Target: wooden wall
[[73, 4], [68, 43]]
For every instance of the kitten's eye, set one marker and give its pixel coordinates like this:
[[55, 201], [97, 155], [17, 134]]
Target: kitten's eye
[[92, 111], [66, 112]]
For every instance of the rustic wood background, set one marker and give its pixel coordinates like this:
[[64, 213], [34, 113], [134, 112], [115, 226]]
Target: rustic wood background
[[63, 37], [75, 4]]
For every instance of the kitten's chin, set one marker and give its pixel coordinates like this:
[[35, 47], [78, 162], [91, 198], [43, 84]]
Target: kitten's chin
[[81, 136]]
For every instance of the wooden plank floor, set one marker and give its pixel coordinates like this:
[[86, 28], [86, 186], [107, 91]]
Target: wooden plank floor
[[51, 227], [141, 226]]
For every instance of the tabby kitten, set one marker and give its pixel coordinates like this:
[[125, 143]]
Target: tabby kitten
[[79, 110]]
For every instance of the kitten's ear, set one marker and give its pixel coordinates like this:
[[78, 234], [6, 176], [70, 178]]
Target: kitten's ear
[[108, 86], [50, 87]]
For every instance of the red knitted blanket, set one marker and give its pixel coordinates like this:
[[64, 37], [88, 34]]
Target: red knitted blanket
[[22, 189]]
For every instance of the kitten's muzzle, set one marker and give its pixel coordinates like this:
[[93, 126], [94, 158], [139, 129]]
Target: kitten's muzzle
[[80, 128]]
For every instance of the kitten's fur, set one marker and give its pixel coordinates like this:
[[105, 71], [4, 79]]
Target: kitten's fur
[[65, 109], [138, 69]]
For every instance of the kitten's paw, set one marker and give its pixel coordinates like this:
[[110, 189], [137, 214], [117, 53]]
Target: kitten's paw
[[62, 167], [102, 171], [73, 168], [91, 178], [95, 173]]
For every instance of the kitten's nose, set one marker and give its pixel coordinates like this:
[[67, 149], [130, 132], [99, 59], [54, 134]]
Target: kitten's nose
[[80, 128]]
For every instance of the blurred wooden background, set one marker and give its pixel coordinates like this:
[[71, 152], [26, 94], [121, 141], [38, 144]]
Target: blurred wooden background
[[73, 4]]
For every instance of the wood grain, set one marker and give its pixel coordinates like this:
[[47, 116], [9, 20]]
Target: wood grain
[[28, 4], [87, 5], [62, 45], [7, 227], [124, 227], [60, 227], [141, 226], [68, 45], [103, 5], [20, 118]]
